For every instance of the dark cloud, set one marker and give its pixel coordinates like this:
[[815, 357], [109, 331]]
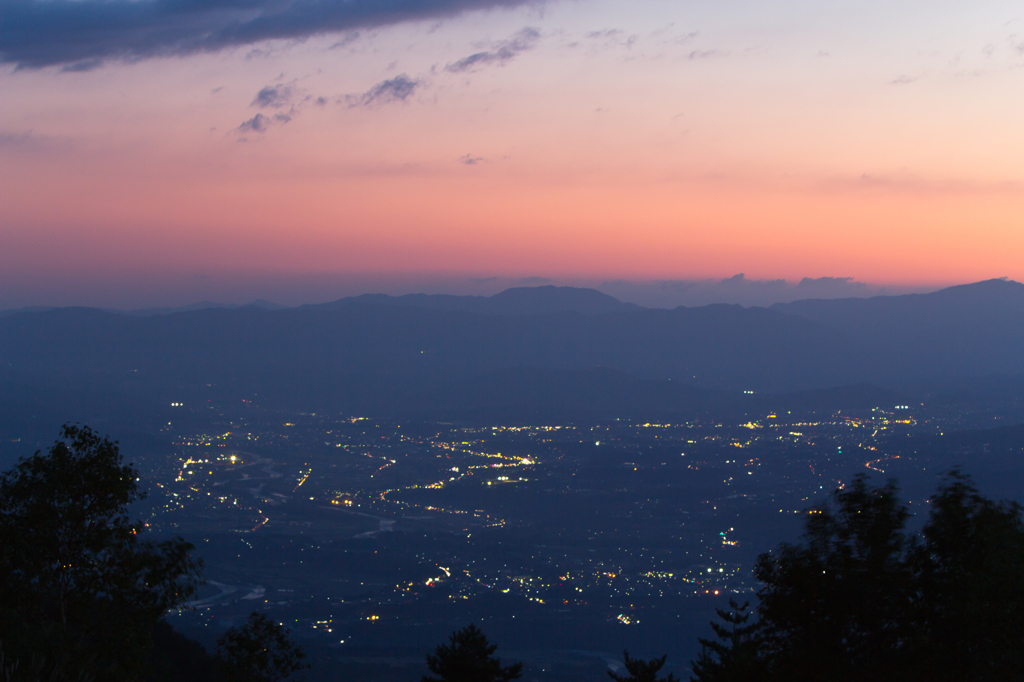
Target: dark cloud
[[828, 281], [274, 96], [534, 280], [470, 160], [12, 140], [259, 123], [502, 52], [29, 141], [348, 39], [833, 287], [400, 88], [79, 66], [740, 282], [256, 124], [83, 34]]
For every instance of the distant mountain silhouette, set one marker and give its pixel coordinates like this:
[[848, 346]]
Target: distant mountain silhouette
[[527, 349], [26, 309], [202, 305], [516, 301], [714, 346], [881, 315], [972, 330], [258, 303]]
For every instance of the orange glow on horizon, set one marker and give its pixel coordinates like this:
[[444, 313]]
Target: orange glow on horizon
[[679, 153]]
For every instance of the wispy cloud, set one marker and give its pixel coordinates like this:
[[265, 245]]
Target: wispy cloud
[[278, 97], [256, 124], [260, 123], [470, 160], [16, 140], [28, 140], [399, 88], [500, 52], [83, 34], [275, 96], [290, 100]]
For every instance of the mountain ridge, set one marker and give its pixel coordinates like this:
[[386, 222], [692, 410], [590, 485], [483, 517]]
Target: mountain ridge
[[970, 301], [538, 300], [408, 349]]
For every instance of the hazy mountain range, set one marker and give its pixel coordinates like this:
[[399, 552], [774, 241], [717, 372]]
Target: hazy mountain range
[[526, 349]]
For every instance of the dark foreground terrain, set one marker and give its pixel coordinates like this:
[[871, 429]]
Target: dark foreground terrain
[[372, 540], [574, 475]]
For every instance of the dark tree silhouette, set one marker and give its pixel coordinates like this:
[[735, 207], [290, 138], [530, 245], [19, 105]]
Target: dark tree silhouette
[[835, 607], [259, 651], [469, 657], [81, 591], [176, 658], [861, 599], [737, 657], [642, 671], [969, 613]]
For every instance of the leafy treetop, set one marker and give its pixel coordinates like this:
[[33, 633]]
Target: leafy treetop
[[81, 589], [642, 671], [469, 657], [862, 599], [259, 651]]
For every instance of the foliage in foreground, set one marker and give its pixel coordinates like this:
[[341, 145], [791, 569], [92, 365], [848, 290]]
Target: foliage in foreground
[[259, 651], [863, 599], [469, 657], [860, 598], [82, 596], [737, 656], [82, 590], [642, 671]]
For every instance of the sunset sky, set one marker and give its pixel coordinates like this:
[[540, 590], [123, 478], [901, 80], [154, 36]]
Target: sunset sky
[[161, 152]]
